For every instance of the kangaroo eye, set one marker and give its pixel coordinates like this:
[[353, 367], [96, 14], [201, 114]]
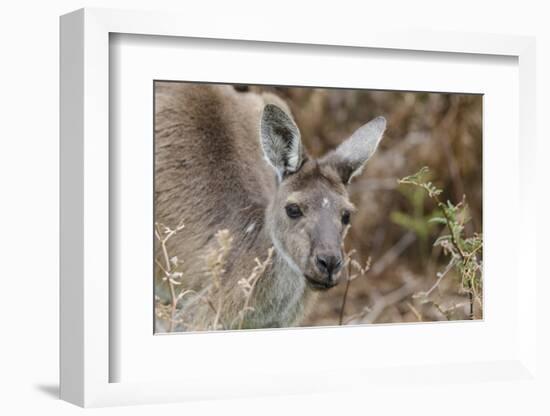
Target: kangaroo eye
[[293, 211], [345, 218]]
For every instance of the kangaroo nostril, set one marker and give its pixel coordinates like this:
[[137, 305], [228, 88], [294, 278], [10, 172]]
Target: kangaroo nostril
[[322, 263], [328, 264]]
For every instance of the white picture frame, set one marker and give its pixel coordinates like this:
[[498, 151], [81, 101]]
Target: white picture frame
[[87, 356]]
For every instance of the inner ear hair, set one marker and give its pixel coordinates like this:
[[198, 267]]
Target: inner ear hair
[[280, 140]]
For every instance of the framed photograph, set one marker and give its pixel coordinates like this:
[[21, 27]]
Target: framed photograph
[[246, 215]]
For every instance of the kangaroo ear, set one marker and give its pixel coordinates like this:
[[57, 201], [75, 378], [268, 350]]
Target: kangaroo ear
[[280, 139], [350, 156]]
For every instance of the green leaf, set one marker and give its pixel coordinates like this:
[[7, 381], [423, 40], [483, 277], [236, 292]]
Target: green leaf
[[443, 238], [438, 220]]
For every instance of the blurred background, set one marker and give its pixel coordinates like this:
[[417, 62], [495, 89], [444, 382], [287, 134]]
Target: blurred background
[[392, 224]]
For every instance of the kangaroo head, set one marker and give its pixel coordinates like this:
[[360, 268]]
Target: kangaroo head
[[310, 210]]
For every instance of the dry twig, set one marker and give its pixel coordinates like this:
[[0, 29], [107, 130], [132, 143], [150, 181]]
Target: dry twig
[[163, 234]]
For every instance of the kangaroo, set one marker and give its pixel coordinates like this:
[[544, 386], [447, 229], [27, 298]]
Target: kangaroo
[[234, 160]]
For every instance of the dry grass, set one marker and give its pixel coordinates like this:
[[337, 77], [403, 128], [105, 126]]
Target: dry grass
[[174, 315]]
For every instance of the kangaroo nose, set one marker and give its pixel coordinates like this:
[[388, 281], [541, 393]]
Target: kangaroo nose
[[328, 264]]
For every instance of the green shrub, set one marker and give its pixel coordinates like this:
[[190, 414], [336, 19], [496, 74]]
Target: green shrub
[[464, 252]]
